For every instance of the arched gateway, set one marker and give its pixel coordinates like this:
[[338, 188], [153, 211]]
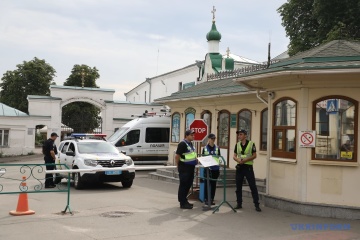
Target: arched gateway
[[47, 110]]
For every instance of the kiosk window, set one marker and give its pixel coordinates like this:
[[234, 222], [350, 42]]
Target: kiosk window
[[335, 122]]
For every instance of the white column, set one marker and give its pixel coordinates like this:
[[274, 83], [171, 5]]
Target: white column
[[303, 155]]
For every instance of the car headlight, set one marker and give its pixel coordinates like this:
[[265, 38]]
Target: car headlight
[[129, 162], [90, 162]]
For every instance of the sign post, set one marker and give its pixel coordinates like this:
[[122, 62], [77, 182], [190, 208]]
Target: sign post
[[200, 128]]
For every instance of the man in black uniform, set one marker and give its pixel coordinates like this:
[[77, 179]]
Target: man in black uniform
[[49, 149], [186, 159]]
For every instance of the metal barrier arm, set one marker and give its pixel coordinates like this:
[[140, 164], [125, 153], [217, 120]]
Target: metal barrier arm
[[107, 169]]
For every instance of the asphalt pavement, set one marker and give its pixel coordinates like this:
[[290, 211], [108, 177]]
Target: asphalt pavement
[[149, 210]]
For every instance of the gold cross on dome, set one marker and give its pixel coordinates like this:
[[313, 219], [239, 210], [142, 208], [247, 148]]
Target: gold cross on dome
[[213, 12]]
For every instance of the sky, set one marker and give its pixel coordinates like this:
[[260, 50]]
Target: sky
[[129, 41]]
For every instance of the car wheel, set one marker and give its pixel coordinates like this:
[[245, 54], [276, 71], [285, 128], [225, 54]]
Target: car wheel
[[127, 184], [77, 181]]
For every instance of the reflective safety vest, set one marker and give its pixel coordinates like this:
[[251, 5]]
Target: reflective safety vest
[[215, 157], [247, 152], [190, 155]]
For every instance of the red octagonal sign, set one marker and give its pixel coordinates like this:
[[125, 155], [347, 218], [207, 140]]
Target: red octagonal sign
[[200, 128]]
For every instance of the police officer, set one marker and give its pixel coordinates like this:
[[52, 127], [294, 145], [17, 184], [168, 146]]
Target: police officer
[[49, 150], [214, 171], [186, 159], [244, 155]]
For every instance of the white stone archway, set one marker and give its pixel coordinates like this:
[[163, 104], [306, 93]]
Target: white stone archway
[[63, 95], [114, 114]]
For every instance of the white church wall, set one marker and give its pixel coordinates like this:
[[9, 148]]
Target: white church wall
[[39, 106], [163, 85], [21, 134]]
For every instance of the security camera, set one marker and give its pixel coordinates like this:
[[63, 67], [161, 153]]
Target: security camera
[[271, 95]]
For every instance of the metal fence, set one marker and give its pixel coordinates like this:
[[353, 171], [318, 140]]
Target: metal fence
[[29, 178]]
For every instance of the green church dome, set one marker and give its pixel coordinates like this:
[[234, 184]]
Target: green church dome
[[213, 34]]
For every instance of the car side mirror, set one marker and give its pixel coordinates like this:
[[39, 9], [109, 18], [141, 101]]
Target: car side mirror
[[123, 152], [70, 154]]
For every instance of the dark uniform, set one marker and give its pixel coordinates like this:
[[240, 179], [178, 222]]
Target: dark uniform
[[186, 172], [213, 170], [246, 170], [49, 145]]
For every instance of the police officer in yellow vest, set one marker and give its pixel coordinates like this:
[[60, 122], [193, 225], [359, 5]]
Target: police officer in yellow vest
[[212, 149], [244, 154], [186, 159]]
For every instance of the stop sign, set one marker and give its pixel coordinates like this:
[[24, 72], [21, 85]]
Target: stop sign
[[200, 128]]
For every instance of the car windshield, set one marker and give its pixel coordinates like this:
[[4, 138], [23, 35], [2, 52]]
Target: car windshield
[[96, 147], [117, 134]]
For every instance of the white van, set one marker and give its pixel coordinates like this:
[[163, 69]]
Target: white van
[[144, 139]]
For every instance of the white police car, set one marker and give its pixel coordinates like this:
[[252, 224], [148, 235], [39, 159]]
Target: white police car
[[89, 151]]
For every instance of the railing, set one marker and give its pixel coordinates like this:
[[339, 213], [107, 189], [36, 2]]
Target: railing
[[33, 176], [239, 72]]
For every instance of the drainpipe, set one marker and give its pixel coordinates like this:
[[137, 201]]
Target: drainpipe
[[148, 80], [260, 97], [268, 139]]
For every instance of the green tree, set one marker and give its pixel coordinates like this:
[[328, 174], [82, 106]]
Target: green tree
[[80, 72], [30, 78], [309, 23], [82, 117]]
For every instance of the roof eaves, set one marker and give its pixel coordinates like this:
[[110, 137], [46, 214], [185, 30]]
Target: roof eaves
[[164, 100], [83, 88], [43, 97]]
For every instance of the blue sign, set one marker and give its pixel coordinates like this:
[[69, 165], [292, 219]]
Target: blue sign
[[332, 106]]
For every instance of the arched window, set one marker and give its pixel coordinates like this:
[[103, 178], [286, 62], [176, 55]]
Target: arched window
[[335, 122], [189, 117], [206, 116], [224, 128], [263, 129], [244, 121], [284, 129], [175, 127]]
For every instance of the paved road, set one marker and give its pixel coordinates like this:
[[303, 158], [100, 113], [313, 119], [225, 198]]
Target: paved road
[[149, 210]]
